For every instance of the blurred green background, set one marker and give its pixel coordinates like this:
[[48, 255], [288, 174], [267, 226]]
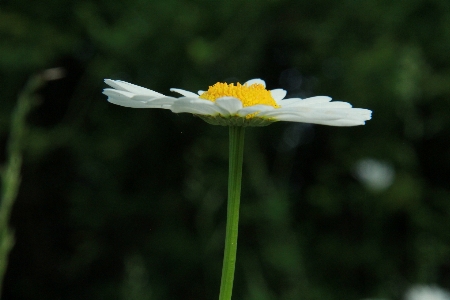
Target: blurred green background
[[120, 203]]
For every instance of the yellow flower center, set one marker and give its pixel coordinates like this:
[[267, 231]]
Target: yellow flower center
[[249, 95]]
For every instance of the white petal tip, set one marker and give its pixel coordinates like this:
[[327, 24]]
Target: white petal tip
[[256, 81]]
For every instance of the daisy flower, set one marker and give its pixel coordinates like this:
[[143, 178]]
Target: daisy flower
[[238, 106], [248, 104]]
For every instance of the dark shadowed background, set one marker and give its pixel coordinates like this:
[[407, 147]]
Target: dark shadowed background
[[119, 203]]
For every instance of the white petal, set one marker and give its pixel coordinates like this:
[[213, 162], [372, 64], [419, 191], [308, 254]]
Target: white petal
[[333, 104], [289, 101], [229, 104], [306, 102], [305, 115], [195, 106], [363, 112], [342, 122], [278, 94], [200, 92], [118, 93], [165, 100], [345, 122], [135, 89], [127, 103], [320, 107], [184, 93], [323, 112], [144, 101], [335, 117], [317, 99], [127, 99], [338, 122], [253, 109], [256, 80]]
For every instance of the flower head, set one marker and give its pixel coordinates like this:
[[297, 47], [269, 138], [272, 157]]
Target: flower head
[[248, 104]]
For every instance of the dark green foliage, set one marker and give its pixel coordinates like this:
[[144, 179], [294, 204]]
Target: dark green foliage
[[120, 203]]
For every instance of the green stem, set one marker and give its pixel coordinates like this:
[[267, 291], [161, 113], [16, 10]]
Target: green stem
[[234, 195], [10, 175]]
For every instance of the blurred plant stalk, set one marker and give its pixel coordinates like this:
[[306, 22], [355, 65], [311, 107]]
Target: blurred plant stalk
[[10, 173]]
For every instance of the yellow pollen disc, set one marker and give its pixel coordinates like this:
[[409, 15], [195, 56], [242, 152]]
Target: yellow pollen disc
[[249, 95]]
